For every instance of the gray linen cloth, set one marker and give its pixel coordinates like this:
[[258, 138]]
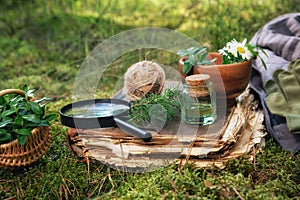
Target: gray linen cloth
[[280, 38]]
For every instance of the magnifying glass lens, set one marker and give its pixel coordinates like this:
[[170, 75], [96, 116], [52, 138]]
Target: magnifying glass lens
[[97, 110]]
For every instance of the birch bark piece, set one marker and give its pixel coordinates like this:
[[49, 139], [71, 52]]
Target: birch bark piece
[[240, 135]]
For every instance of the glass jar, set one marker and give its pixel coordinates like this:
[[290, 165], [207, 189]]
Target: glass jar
[[198, 103]]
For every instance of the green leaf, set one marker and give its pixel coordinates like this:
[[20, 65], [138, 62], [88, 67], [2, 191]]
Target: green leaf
[[183, 53], [186, 67], [191, 49], [7, 113], [23, 131], [263, 62], [225, 59], [25, 87], [28, 91], [22, 139], [44, 123], [50, 117], [33, 125], [16, 100], [35, 108], [42, 99], [2, 100], [19, 120], [6, 122], [192, 59], [196, 56], [4, 136], [2, 131], [22, 110], [32, 118]]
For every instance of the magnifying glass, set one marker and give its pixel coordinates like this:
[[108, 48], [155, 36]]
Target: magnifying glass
[[101, 113]]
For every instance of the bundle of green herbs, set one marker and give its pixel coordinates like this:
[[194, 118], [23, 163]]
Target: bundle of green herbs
[[168, 102], [19, 115]]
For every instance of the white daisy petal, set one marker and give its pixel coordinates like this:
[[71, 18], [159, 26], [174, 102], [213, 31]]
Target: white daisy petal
[[222, 51], [244, 42], [237, 48]]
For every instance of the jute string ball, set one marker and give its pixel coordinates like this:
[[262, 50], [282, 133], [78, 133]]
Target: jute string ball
[[143, 78]]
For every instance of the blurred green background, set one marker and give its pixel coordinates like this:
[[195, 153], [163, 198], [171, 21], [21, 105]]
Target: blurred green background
[[43, 43]]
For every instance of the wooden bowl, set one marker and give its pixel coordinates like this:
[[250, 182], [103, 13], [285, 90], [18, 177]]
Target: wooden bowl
[[235, 76]]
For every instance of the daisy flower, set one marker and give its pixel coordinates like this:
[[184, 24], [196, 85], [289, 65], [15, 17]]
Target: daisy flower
[[240, 48], [234, 51]]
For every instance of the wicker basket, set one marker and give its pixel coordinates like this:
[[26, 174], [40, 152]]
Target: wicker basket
[[13, 154]]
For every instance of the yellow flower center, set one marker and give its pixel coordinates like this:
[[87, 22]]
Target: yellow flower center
[[241, 50]]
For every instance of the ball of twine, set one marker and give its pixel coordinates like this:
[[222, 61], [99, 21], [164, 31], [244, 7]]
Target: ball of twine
[[143, 78]]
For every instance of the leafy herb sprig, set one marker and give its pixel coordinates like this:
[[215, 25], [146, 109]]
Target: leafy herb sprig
[[169, 101], [19, 115], [194, 57]]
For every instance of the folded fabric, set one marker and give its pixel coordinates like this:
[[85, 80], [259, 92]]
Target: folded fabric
[[280, 39], [283, 95], [294, 25]]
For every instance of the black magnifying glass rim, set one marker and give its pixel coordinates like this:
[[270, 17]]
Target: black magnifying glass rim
[[91, 122]]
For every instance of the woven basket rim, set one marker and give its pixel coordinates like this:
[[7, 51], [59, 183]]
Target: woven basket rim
[[12, 154]]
